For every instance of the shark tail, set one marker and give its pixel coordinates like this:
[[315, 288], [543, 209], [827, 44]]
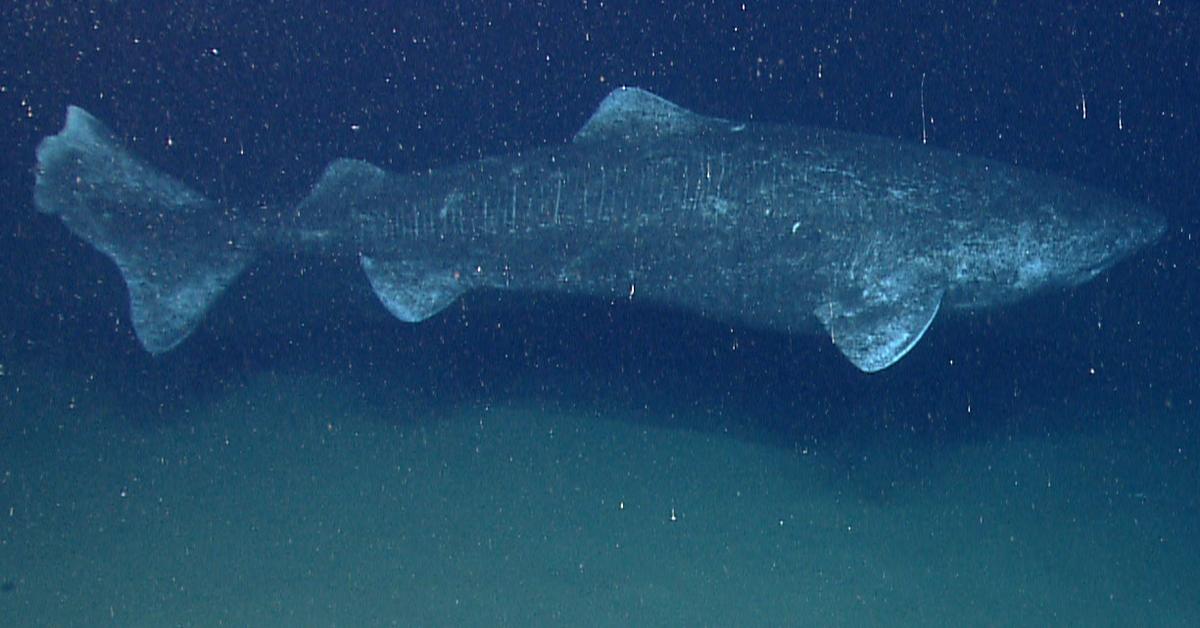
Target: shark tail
[[175, 249]]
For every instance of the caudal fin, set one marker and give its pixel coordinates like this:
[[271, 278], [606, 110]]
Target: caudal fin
[[174, 247]]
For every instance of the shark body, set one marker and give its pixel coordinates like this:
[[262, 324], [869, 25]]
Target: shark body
[[790, 228]]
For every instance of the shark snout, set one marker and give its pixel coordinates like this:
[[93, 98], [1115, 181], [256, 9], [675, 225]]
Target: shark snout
[[1136, 229], [1149, 228]]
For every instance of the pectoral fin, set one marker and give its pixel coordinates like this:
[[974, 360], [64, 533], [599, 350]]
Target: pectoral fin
[[876, 327]]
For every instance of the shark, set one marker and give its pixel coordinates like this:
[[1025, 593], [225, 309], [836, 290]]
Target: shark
[[783, 227]]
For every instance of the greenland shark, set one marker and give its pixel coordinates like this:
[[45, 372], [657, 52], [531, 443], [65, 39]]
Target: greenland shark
[[782, 227]]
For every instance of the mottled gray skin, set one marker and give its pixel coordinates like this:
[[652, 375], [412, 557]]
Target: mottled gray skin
[[775, 226]]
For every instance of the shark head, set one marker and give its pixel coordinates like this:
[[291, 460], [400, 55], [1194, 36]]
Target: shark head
[[1067, 245], [1046, 235], [1064, 239]]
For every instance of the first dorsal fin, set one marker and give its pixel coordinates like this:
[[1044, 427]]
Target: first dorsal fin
[[629, 113]]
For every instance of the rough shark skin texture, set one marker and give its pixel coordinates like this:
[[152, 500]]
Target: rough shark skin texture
[[783, 227]]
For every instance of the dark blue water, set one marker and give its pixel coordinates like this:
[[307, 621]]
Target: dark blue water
[[1094, 388]]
